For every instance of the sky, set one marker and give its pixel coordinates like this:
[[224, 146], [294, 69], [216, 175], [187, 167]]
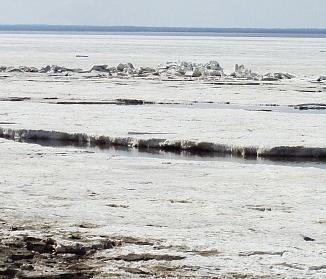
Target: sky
[[168, 13]]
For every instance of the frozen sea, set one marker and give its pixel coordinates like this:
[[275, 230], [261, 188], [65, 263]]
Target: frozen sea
[[299, 56], [226, 217]]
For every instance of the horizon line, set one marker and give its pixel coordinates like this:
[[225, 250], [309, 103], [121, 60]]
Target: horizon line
[[134, 28]]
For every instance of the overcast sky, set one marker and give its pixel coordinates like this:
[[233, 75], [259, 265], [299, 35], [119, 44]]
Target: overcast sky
[[168, 13]]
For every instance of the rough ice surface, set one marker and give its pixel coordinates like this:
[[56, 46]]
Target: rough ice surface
[[249, 219], [170, 70], [235, 118], [223, 219]]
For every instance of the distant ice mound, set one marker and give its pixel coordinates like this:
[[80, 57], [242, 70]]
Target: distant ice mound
[[170, 70], [189, 69], [240, 72]]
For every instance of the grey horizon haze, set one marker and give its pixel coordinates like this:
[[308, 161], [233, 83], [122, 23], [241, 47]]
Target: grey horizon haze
[[167, 13]]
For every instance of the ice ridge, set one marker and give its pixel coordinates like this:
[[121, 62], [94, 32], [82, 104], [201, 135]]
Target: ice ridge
[[169, 70], [164, 144]]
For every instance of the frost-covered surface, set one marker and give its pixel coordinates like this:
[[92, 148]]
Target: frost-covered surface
[[224, 219]]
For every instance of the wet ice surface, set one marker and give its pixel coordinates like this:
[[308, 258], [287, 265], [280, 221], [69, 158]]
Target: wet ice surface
[[224, 217]]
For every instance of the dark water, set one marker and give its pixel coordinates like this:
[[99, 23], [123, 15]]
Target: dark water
[[264, 108]]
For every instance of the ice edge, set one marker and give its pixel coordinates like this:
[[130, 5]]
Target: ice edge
[[164, 144]]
